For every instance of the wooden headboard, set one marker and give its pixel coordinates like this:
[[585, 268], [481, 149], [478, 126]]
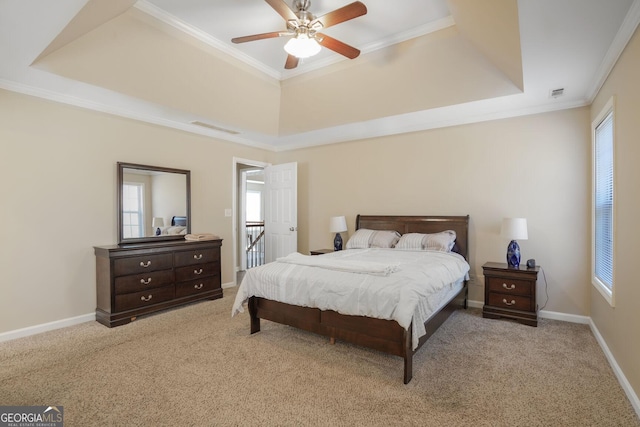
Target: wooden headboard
[[179, 220], [420, 224]]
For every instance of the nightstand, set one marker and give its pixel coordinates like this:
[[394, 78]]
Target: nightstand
[[321, 251], [510, 293]]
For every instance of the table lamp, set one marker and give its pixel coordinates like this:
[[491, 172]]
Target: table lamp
[[514, 229], [337, 225], [156, 223]]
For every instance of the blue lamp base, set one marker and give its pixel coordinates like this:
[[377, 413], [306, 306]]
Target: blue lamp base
[[337, 242], [513, 255]]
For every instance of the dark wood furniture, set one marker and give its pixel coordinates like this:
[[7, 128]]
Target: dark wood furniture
[[383, 335], [320, 251], [510, 293], [138, 279]]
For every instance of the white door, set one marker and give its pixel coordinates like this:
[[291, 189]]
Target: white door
[[281, 210]]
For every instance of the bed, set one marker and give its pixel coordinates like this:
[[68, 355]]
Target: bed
[[178, 227], [382, 334]]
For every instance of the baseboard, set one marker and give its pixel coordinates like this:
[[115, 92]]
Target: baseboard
[[572, 318], [624, 383], [46, 327], [475, 304]]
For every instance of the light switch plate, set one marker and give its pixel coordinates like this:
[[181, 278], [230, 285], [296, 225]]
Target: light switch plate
[[227, 212]]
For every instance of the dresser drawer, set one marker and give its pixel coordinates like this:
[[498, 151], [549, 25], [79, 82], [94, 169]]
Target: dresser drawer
[[196, 271], [515, 302], [142, 264], [197, 256], [142, 281], [193, 287], [510, 286], [144, 298]]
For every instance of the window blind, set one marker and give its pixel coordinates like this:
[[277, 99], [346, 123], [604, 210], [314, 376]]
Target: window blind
[[603, 201]]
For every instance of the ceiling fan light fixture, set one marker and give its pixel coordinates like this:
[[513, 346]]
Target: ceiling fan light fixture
[[302, 46]]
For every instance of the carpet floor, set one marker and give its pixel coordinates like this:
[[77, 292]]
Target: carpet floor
[[197, 366]]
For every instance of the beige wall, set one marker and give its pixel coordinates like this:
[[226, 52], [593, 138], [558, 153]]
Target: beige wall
[[620, 326], [58, 192], [535, 167]]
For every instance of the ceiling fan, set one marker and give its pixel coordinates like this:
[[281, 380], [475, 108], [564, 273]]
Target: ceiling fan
[[303, 27]]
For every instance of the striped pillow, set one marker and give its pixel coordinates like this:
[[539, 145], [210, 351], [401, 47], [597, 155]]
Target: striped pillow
[[365, 238], [442, 241], [411, 241], [360, 239], [384, 239]]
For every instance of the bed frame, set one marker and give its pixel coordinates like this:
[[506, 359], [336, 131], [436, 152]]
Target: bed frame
[[378, 334]]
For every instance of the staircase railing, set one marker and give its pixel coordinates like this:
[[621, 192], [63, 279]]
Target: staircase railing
[[255, 243]]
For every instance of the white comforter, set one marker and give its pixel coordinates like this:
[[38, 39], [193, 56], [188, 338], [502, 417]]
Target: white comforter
[[402, 295]]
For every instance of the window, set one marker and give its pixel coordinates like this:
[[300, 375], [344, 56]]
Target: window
[[132, 210], [602, 214], [254, 206]]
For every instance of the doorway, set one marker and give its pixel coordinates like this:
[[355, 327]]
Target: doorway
[[248, 217], [264, 218]]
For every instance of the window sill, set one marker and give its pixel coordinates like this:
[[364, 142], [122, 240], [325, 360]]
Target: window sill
[[606, 293]]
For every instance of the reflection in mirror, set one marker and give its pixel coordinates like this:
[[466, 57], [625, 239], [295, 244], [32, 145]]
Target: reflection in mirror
[[153, 203]]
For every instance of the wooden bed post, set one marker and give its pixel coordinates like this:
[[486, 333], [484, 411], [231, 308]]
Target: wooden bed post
[[408, 355], [253, 312]]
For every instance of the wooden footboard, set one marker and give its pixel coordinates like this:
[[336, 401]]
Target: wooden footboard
[[378, 334]]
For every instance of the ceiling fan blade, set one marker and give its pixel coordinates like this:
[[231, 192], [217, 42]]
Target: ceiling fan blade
[[345, 13], [283, 9], [292, 62], [260, 36], [337, 46]]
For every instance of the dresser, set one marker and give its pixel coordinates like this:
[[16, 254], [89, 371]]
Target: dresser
[[510, 293], [137, 279]]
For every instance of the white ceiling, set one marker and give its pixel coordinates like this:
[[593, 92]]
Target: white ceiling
[[222, 20], [570, 44]]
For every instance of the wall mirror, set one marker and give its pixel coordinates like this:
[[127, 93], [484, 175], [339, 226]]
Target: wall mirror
[[154, 203]]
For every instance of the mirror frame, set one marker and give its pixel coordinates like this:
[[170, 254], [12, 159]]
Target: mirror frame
[[120, 181]]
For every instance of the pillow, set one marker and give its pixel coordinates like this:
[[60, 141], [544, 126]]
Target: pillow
[[411, 241], [176, 230], [360, 239], [442, 241], [384, 239], [365, 238]]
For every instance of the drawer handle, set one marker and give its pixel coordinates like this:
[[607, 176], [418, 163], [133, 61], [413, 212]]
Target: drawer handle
[[145, 264], [199, 256], [198, 286], [145, 282], [507, 302], [197, 271], [145, 299], [504, 285]]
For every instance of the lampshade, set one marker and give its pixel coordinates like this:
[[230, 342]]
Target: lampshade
[[302, 46], [157, 222], [514, 229], [338, 224]]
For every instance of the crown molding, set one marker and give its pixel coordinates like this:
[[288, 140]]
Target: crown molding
[[249, 140], [204, 37], [624, 34]]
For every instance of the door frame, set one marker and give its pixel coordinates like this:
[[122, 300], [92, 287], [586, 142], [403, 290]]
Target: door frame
[[234, 207]]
